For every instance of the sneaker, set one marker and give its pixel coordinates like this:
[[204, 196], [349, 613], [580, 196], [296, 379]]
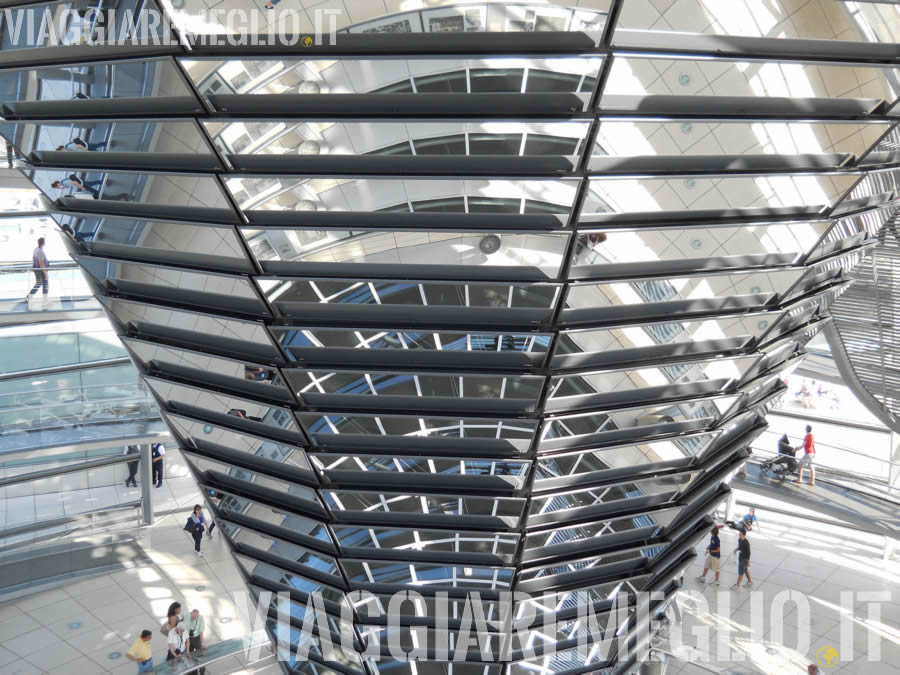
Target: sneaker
[[199, 554], [702, 580], [749, 583], [714, 582], [734, 586]]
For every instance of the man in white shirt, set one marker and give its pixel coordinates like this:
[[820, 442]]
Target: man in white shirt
[[41, 268], [157, 452], [176, 643]]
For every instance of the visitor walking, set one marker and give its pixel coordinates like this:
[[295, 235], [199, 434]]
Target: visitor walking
[[82, 146], [141, 653], [157, 460], [133, 465], [713, 557], [743, 551], [197, 524], [74, 181], [809, 456], [41, 268]]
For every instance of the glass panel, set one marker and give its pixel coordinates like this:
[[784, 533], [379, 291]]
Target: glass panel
[[285, 606], [280, 576], [284, 487], [541, 252], [525, 388], [436, 541], [668, 486], [120, 79], [640, 76], [738, 330], [636, 557], [290, 193], [58, 349], [175, 284], [99, 136], [160, 357], [824, 20], [738, 246], [395, 425], [405, 341], [852, 231], [388, 138], [629, 138], [507, 508], [430, 294], [202, 245], [758, 288], [652, 521], [348, 76], [230, 506], [619, 457], [704, 411], [728, 193], [435, 576], [454, 466], [186, 399], [198, 433], [142, 188], [446, 16], [244, 337], [718, 373]]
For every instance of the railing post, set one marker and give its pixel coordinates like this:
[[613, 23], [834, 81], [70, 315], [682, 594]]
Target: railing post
[[146, 485]]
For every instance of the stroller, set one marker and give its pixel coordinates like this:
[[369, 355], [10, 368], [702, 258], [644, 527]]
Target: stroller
[[782, 466]]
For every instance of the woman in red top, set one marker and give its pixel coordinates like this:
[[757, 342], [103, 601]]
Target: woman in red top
[[809, 456]]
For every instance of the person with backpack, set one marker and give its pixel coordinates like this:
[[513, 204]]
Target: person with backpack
[[809, 457], [158, 453]]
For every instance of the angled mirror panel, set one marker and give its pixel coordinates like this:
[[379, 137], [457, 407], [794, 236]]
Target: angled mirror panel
[[659, 341], [78, 83], [90, 136], [214, 247], [566, 468], [700, 294], [281, 577], [201, 331], [203, 435], [325, 428], [205, 290], [428, 195], [439, 392], [405, 348], [335, 466], [363, 573], [258, 543], [401, 137], [239, 412], [533, 256], [505, 509], [606, 253], [731, 194], [851, 231], [144, 189], [390, 76], [399, 540], [195, 366], [637, 557], [702, 414], [647, 523]]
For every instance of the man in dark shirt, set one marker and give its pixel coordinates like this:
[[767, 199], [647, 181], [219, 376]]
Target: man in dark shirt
[[743, 560], [713, 556]]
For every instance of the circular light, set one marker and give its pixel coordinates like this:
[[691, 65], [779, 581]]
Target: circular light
[[310, 148], [689, 183], [489, 244], [696, 243], [199, 588], [112, 656], [684, 79], [75, 625], [687, 127], [762, 325], [309, 87], [208, 429], [225, 619], [755, 289]]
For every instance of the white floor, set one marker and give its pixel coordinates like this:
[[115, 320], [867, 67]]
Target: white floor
[[816, 560]]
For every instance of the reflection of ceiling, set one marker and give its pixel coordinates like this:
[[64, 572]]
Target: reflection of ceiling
[[498, 314]]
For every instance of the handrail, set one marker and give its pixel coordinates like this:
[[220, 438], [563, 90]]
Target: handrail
[[53, 370], [56, 522], [9, 268], [63, 470], [194, 661], [835, 447], [826, 420]]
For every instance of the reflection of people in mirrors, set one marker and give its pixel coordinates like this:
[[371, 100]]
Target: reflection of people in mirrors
[[238, 413], [90, 186], [82, 146], [594, 239], [258, 374], [271, 4]]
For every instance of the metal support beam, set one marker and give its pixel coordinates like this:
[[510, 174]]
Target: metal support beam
[[146, 484]]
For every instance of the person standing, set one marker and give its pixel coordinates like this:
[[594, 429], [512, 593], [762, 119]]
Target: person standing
[[176, 643], [79, 145], [743, 550], [157, 453], [133, 465], [809, 457], [141, 653], [173, 617], [713, 556], [199, 524], [41, 268], [196, 643]]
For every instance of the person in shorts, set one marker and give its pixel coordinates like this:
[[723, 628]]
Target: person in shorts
[[743, 560], [713, 556], [809, 457]]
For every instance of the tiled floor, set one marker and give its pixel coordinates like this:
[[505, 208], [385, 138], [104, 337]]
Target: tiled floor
[[815, 560], [81, 628]]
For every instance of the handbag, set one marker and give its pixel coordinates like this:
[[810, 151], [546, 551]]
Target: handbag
[[165, 627], [190, 526]]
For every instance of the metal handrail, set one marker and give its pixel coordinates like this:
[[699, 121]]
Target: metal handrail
[[63, 470], [56, 522], [839, 448], [194, 661], [53, 370]]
